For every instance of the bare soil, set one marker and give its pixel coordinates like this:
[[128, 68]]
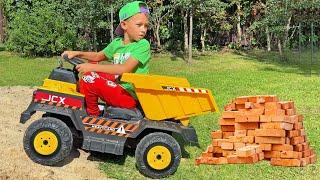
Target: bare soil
[[15, 164]]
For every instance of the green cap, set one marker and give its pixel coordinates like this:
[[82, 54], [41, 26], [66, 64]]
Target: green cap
[[130, 10]]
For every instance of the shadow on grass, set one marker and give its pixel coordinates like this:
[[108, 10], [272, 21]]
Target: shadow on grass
[[111, 158], [290, 62]]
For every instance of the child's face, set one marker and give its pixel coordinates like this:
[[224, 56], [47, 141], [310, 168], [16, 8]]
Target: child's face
[[136, 27]]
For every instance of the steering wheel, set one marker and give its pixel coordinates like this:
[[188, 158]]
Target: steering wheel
[[74, 61]]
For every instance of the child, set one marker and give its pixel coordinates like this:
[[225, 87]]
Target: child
[[129, 53]]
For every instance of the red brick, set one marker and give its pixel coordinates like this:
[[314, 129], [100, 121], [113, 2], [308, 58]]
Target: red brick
[[270, 140], [253, 118], [242, 139], [302, 132], [287, 104], [300, 118], [249, 105], [216, 134], [298, 126], [272, 105], [256, 111], [276, 125], [217, 150], [293, 133], [233, 159], [305, 161], [250, 132], [298, 147], [225, 135], [219, 160], [270, 132], [290, 112], [264, 118], [285, 162], [297, 140], [229, 114], [227, 145], [241, 100], [271, 154], [206, 154], [290, 155], [271, 98], [238, 145], [246, 126], [230, 107], [288, 141], [275, 112], [282, 147], [246, 151], [313, 158], [226, 121], [240, 133], [286, 119], [210, 149], [240, 106], [265, 147], [227, 128], [217, 142], [226, 153], [261, 156], [240, 118], [306, 153]]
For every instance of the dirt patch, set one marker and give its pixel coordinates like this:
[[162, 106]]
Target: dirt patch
[[14, 163]]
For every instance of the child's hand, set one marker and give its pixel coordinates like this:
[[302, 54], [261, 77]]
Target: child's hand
[[85, 67], [71, 54]]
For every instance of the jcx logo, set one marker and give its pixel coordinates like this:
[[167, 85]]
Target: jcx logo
[[55, 99]]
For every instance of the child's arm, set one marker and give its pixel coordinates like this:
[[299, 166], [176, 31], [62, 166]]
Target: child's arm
[[90, 56], [117, 69]]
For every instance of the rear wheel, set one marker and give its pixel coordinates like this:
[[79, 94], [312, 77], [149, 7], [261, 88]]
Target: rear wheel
[[158, 155], [48, 141]]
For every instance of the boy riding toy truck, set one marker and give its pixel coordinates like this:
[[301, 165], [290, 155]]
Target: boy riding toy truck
[[166, 104]]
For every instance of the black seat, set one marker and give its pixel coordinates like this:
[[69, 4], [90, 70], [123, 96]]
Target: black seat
[[122, 113]]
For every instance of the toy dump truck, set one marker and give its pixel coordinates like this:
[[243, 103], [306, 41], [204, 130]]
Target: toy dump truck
[[166, 104]]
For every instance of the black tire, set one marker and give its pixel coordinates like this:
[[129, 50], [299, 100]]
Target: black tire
[[148, 146], [48, 141]]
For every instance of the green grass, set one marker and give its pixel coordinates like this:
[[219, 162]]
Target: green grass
[[228, 76]]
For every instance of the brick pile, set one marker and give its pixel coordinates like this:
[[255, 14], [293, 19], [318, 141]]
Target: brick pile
[[255, 128]]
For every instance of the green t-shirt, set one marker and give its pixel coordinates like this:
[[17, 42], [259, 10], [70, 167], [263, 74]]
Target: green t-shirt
[[118, 53]]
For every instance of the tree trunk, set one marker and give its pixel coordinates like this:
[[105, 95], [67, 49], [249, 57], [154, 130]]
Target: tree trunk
[[203, 38], [111, 23], [268, 39], [239, 32], [287, 31], [190, 35], [280, 46], [185, 29], [157, 33]]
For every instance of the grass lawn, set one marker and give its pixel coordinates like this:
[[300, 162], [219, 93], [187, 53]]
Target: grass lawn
[[228, 76]]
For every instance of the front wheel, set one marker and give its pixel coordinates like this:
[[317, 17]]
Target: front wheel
[[158, 155], [48, 141]]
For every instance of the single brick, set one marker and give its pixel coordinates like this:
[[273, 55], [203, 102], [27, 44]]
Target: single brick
[[238, 145], [288, 141], [297, 140], [229, 114], [230, 107], [286, 119], [270, 140], [240, 118], [226, 153], [305, 161], [253, 118], [274, 112], [217, 142], [264, 118], [249, 105], [217, 150], [306, 153], [290, 155], [256, 111], [286, 104], [285, 162], [276, 125], [216, 134], [250, 132], [313, 158], [226, 121], [227, 145], [206, 154], [282, 147], [246, 151], [225, 135], [298, 126], [270, 132], [219, 160], [272, 105], [261, 156], [246, 126], [298, 147], [271, 154], [240, 133], [290, 112], [266, 147], [210, 149], [227, 128], [240, 106], [271, 98], [234, 159], [241, 100], [302, 132], [300, 118], [293, 133]]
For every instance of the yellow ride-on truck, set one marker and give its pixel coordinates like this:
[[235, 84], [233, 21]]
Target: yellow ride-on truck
[[166, 104]]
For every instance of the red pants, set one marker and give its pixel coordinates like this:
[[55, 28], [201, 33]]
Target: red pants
[[96, 85]]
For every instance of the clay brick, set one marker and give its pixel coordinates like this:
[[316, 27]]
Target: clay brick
[[238, 145], [243, 139], [287, 104], [270, 132], [253, 99], [216, 134], [272, 105], [297, 140], [271, 98], [305, 146], [240, 106], [200, 160], [225, 135], [266, 147], [288, 141], [285, 162], [241, 100], [206, 154], [282, 147], [227, 128], [264, 118], [298, 126], [276, 125], [313, 158], [240, 118], [226, 153], [261, 100], [246, 126], [217, 154], [240, 133], [217, 142], [253, 118], [230, 107], [251, 132], [305, 161], [293, 133], [300, 118], [286, 119], [275, 112], [298, 147], [249, 105], [302, 132], [219, 160], [256, 111], [270, 140], [271, 154], [229, 114], [290, 112], [261, 156], [227, 145], [226, 121], [246, 151], [290, 155], [233, 159], [306, 153]]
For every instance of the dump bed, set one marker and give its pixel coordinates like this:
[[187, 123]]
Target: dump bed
[[163, 97]]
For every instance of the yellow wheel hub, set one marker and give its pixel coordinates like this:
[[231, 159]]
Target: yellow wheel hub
[[159, 157], [45, 143]]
